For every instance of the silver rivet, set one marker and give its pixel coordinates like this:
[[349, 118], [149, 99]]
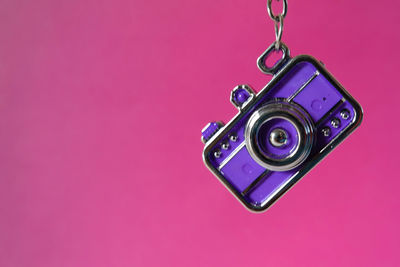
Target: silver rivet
[[326, 131], [233, 138], [345, 113], [335, 123], [217, 154], [278, 137], [225, 145]]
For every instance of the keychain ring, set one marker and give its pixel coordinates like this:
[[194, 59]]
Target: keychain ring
[[272, 15]]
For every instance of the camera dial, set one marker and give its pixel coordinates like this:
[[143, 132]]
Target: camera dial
[[279, 135]]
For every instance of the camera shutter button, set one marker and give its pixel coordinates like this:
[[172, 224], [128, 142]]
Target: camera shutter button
[[241, 95]]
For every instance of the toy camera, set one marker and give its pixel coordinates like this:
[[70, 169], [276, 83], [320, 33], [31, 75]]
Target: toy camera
[[280, 133]]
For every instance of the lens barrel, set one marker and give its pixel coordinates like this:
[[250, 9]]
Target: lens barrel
[[280, 135]]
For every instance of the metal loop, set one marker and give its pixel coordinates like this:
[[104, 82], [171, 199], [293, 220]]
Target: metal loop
[[261, 61], [272, 15], [277, 45], [278, 31]]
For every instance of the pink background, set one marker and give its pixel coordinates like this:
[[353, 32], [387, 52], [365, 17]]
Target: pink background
[[101, 107]]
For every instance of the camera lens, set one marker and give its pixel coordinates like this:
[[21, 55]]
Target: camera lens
[[279, 136]]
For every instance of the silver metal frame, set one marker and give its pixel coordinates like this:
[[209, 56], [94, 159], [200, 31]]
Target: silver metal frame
[[310, 163]]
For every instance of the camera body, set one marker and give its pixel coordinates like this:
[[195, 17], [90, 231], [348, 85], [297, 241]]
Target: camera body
[[280, 133]]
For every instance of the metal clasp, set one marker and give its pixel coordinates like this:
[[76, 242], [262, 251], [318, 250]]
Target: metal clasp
[[261, 61]]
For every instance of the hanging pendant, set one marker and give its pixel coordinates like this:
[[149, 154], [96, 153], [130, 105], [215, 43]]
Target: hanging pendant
[[282, 132]]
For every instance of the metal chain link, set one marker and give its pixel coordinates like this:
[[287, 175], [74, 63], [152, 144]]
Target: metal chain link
[[278, 32], [278, 21], [277, 45]]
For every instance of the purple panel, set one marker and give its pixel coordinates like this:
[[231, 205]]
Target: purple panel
[[242, 170], [318, 97], [292, 81], [269, 185], [241, 96]]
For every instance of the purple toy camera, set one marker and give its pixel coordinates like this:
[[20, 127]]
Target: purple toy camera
[[280, 133]]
